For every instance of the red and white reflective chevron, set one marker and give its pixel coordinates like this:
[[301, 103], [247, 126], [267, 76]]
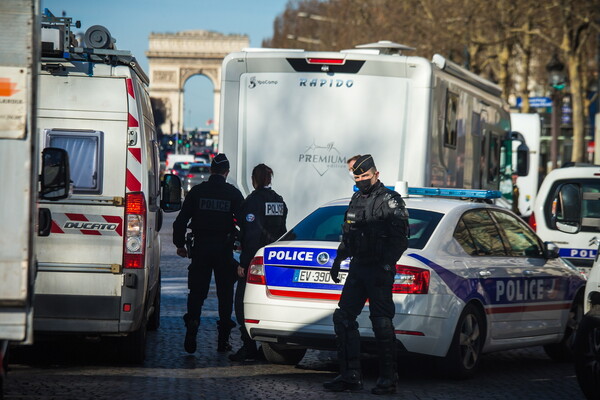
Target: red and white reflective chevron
[[87, 224], [133, 180]]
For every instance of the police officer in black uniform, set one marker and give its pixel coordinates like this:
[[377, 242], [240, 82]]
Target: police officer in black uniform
[[375, 234], [262, 221], [213, 207]]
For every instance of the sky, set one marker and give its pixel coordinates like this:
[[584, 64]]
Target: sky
[[132, 21]]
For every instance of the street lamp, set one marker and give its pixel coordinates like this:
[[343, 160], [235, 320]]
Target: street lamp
[[556, 79]]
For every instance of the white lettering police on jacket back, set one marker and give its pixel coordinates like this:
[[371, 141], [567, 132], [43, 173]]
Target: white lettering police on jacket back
[[274, 209]]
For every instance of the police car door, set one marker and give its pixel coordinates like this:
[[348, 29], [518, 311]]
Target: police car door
[[544, 288], [499, 275]]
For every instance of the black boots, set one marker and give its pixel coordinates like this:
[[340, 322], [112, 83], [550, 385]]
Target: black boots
[[190, 335], [348, 348], [386, 349], [247, 352], [224, 328], [350, 380]]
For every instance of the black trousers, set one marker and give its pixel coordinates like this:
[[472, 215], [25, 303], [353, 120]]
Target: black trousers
[[368, 281], [211, 254]]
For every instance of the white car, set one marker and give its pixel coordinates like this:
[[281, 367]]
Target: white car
[[474, 279]]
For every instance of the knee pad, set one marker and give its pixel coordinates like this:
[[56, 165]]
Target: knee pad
[[342, 320], [382, 327]]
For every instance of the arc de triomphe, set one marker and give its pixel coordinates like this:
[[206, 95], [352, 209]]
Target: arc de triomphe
[[173, 58]]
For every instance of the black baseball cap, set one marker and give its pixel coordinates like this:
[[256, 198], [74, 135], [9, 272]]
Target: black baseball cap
[[363, 164], [220, 163]]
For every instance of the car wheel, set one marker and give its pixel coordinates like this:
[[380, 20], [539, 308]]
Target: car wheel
[[133, 346], [154, 320], [587, 354], [464, 354], [563, 351], [286, 356]]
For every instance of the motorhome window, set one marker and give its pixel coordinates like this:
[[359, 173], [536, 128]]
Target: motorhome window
[[85, 150], [450, 131]]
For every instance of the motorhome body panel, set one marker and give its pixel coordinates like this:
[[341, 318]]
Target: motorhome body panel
[[305, 113]]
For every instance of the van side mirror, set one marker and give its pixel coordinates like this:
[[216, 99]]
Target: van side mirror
[[522, 167], [522, 160], [55, 179], [566, 208], [170, 193]]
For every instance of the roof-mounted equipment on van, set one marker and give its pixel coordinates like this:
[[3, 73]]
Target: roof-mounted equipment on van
[[455, 70], [60, 44]]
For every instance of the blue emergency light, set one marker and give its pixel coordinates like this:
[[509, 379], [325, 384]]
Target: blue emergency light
[[464, 193], [446, 192]]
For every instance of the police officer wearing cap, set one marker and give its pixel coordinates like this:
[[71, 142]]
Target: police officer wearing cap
[[375, 234], [213, 207], [262, 222]]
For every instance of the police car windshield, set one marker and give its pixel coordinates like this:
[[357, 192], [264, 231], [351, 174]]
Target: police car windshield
[[325, 225]]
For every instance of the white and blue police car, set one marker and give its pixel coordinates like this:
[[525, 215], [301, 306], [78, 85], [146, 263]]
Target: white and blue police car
[[474, 279]]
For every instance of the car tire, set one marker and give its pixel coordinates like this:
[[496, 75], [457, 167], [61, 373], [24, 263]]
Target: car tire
[[285, 356], [464, 354], [587, 354], [563, 350], [154, 319], [133, 346]]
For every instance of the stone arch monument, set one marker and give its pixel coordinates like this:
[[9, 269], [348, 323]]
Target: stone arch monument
[[173, 58]]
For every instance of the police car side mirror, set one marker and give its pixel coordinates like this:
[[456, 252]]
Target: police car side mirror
[[170, 193], [551, 250], [566, 208], [55, 179]]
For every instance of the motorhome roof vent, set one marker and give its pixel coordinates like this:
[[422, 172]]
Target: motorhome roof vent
[[386, 47], [98, 37]]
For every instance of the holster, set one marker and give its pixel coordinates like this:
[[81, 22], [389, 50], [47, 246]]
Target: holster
[[189, 243]]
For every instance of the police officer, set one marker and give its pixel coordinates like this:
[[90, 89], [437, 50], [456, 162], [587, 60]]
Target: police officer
[[375, 234], [212, 207], [262, 222]]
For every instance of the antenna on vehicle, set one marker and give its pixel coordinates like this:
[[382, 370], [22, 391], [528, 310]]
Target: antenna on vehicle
[[386, 47]]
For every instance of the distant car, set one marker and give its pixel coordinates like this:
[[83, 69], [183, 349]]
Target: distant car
[[181, 168], [197, 173], [475, 279]]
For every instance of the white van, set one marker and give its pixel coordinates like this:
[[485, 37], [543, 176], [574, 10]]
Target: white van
[[530, 126], [99, 269], [579, 245]]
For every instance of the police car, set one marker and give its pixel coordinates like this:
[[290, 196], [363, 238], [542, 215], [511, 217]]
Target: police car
[[580, 249], [474, 279]]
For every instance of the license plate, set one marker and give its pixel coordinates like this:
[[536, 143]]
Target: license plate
[[312, 276]]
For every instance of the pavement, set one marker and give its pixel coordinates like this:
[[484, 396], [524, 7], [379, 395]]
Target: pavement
[[92, 370]]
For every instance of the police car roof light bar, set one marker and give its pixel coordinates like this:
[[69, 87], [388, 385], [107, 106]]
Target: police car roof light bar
[[464, 193]]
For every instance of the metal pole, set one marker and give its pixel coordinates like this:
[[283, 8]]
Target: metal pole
[[554, 129]]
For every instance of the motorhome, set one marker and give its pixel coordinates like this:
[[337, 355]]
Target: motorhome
[[99, 269], [431, 123]]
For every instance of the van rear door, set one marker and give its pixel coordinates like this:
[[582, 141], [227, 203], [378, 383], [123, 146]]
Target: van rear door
[[79, 280]]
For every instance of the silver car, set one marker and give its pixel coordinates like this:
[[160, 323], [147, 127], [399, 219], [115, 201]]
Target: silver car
[[197, 173]]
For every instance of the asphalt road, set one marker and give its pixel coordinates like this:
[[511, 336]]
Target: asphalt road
[[92, 370]]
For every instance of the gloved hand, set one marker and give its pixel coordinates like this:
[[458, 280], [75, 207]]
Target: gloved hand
[[335, 270]]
